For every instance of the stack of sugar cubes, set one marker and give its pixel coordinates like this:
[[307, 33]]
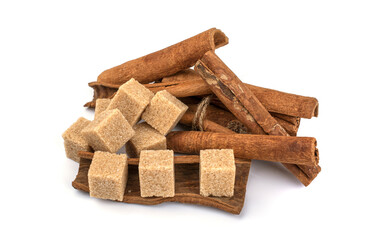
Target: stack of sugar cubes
[[116, 124]]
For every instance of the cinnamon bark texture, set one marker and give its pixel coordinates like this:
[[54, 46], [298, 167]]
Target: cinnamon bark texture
[[193, 85], [167, 61], [186, 186], [295, 150], [182, 76], [207, 125], [274, 101], [235, 95], [228, 120], [241, 101]]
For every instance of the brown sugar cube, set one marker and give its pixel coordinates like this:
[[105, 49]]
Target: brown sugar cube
[[131, 99], [101, 105], [145, 138], [156, 173], [107, 176], [108, 132], [164, 112], [73, 139], [217, 172]]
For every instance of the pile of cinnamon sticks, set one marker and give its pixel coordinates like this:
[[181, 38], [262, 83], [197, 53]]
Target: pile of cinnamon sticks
[[258, 123]]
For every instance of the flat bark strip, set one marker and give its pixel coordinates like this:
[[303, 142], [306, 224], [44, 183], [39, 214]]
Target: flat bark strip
[[186, 187]]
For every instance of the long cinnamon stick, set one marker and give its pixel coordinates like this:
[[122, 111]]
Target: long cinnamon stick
[[240, 100], [274, 101], [295, 150], [167, 61]]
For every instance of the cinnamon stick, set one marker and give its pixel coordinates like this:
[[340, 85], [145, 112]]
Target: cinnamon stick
[[167, 61], [240, 100], [182, 76], [274, 101], [295, 150]]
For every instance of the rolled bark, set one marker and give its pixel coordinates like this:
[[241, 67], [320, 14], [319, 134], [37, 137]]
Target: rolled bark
[[292, 150], [273, 100], [167, 61], [181, 76], [193, 85]]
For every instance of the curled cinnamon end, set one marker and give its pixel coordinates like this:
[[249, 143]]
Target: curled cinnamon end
[[316, 110], [218, 39]]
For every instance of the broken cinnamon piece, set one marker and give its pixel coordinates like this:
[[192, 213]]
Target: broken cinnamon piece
[[240, 100], [285, 149], [167, 61]]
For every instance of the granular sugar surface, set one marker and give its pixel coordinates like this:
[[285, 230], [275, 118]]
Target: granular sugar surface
[[156, 173], [164, 112], [101, 105], [145, 138], [107, 176], [73, 139], [108, 132], [217, 172], [131, 99]]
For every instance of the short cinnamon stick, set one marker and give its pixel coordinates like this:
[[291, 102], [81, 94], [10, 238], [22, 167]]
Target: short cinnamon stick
[[295, 150], [167, 61]]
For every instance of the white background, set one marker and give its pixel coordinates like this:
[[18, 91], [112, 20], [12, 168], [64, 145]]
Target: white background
[[50, 51]]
